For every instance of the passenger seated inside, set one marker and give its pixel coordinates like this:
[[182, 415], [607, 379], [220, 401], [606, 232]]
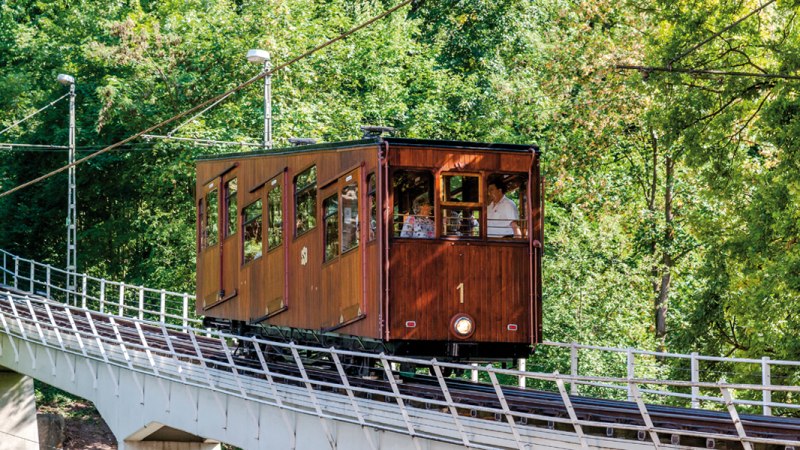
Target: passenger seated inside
[[502, 214], [420, 223]]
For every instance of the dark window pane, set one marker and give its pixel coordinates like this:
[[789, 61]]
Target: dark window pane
[[212, 217], [461, 188], [349, 217], [275, 211], [372, 205], [230, 209], [413, 200], [251, 231], [306, 200], [330, 209]]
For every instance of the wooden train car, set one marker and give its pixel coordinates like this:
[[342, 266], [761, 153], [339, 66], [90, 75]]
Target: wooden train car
[[387, 244]]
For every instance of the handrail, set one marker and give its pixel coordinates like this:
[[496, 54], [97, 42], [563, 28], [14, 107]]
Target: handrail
[[122, 344], [96, 293], [695, 397]]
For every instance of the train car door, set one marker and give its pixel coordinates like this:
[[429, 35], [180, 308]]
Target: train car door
[[341, 270], [208, 261], [268, 282], [218, 223], [229, 236]]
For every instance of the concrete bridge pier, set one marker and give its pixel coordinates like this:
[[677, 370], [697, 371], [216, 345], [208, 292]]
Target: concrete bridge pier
[[156, 436], [18, 428]]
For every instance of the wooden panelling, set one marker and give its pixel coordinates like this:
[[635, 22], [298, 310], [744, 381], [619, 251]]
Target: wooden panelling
[[388, 281], [424, 277], [318, 296]]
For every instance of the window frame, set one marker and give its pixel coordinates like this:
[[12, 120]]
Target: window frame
[[394, 234], [206, 229], [342, 185], [312, 187], [325, 216], [372, 234], [275, 184], [481, 190], [244, 223], [226, 208]]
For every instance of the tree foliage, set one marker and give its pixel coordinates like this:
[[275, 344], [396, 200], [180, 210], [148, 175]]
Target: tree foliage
[[672, 198]]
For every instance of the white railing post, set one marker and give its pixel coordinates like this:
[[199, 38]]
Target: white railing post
[[102, 295], [766, 380], [83, 292], [33, 276], [121, 300], [695, 370], [16, 271], [47, 288], [474, 373], [631, 372], [521, 366], [573, 367], [163, 305], [185, 310], [141, 303]]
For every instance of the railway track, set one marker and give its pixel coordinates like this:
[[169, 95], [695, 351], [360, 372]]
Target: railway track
[[530, 407]]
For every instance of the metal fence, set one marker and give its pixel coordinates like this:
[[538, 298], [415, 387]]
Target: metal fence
[[207, 360], [97, 294], [697, 368]]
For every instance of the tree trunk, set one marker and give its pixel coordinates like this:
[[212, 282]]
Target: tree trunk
[[662, 296]]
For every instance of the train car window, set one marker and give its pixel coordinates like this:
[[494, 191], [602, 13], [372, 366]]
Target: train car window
[[413, 211], [461, 205], [274, 218], [305, 198], [507, 206], [372, 202], [461, 188], [212, 217], [349, 217], [330, 211], [251, 231], [462, 222], [230, 207], [201, 222]]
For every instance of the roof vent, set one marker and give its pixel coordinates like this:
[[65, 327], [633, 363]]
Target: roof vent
[[371, 131], [297, 142]]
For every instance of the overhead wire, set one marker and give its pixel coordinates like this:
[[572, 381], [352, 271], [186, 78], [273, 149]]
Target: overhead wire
[[210, 101], [34, 113]]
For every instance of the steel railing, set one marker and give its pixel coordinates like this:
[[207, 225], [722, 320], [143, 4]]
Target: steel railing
[[639, 363], [207, 360], [97, 294]]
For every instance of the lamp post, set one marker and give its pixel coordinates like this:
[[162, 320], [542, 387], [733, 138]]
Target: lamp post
[[72, 219], [262, 56]]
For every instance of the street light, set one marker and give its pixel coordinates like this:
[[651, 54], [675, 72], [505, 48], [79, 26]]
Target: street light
[[72, 215], [262, 56]]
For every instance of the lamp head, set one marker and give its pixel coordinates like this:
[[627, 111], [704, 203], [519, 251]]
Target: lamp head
[[258, 56], [66, 80]]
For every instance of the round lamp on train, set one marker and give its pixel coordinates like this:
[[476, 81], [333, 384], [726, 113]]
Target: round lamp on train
[[462, 325]]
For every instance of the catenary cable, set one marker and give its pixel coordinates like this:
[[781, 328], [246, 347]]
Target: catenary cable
[[217, 98]]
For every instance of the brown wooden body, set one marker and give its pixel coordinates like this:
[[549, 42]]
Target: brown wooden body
[[378, 288]]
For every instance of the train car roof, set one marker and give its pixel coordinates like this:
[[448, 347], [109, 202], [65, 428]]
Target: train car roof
[[515, 148]]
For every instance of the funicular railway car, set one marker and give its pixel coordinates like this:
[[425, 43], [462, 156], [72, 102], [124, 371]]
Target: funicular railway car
[[404, 246]]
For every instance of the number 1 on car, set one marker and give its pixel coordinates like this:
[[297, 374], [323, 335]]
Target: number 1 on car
[[460, 289]]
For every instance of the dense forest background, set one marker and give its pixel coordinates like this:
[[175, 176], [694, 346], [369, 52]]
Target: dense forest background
[[672, 195]]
